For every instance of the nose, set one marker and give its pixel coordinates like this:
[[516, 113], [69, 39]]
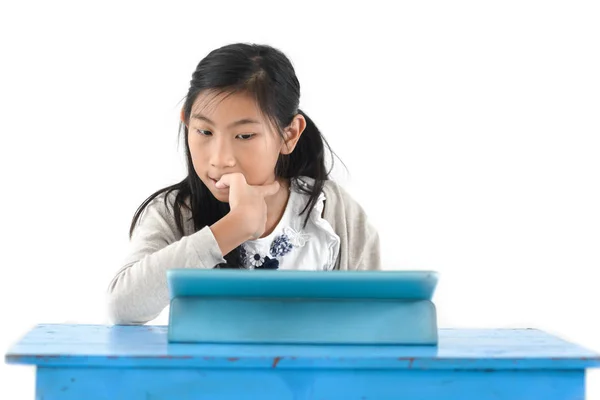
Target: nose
[[222, 154]]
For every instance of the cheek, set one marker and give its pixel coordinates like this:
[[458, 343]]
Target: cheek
[[195, 146], [259, 164], [197, 155], [259, 155]]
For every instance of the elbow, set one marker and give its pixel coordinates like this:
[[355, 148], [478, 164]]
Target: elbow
[[119, 307], [117, 311]]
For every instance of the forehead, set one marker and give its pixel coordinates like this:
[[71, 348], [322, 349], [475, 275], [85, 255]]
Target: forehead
[[223, 107]]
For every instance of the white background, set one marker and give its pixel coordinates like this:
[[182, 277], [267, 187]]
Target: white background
[[470, 131]]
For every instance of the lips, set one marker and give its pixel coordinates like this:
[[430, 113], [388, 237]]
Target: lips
[[214, 182]]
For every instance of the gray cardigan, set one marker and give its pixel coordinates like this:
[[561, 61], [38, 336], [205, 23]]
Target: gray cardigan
[[138, 293]]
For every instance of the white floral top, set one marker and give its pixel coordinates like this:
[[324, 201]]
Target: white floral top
[[290, 246]]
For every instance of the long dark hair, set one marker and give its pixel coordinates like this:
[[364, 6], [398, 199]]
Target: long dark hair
[[268, 75]]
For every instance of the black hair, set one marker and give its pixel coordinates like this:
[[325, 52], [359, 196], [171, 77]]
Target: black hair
[[267, 74]]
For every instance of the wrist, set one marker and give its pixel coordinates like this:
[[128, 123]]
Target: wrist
[[230, 231]]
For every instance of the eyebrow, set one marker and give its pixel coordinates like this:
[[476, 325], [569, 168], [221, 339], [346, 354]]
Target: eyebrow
[[243, 121]]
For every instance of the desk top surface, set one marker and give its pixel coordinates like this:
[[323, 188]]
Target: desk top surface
[[147, 346]]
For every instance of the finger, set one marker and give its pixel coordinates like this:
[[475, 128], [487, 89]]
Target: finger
[[231, 179]]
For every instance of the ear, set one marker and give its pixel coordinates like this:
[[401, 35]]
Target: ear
[[292, 134], [182, 116]]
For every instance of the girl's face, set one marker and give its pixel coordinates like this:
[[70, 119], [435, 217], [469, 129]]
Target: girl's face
[[227, 135]]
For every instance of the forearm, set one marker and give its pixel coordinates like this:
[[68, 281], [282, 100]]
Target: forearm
[[139, 292]]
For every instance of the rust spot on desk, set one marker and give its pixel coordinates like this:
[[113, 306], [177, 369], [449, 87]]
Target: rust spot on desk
[[410, 360], [276, 361]]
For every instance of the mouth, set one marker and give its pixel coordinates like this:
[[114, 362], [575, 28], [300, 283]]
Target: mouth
[[214, 184]]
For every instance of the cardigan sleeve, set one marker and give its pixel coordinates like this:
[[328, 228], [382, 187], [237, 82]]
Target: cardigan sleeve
[[139, 292]]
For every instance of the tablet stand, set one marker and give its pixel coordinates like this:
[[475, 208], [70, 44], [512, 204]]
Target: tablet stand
[[293, 320]]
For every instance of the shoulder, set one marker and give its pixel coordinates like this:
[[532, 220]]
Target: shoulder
[[331, 189], [162, 205], [338, 198], [339, 205], [335, 191], [159, 216]]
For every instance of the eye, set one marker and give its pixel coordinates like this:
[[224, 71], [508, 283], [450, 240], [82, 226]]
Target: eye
[[203, 133], [246, 136]]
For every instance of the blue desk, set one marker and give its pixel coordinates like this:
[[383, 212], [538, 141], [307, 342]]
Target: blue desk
[[137, 362]]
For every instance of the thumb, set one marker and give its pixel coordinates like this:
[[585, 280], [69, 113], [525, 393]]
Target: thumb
[[270, 189]]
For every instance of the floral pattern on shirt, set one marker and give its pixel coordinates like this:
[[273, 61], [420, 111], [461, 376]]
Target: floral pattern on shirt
[[280, 246]]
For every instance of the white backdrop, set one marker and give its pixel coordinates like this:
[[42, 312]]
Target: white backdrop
[[471, 133]]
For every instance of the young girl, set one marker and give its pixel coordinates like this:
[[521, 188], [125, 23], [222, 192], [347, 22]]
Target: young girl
[[257, 193]]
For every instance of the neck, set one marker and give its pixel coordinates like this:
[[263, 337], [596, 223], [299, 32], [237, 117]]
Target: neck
[[276, 206]]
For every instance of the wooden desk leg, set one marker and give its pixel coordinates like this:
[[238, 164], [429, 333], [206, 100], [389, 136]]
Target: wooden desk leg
[[54, 383]]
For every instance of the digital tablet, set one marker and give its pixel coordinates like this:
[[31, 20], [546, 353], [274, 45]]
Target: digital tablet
[[409, 285]]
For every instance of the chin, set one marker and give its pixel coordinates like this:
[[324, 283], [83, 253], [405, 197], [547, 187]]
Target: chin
[[221, 197]]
